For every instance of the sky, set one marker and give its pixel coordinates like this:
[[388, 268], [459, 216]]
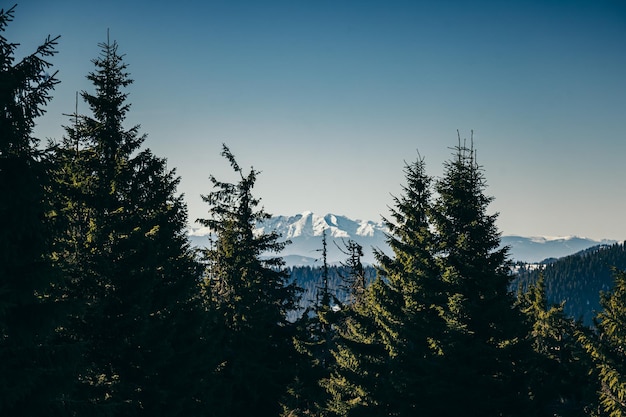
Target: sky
[[329, 99]]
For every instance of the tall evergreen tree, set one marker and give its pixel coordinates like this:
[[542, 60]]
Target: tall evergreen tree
[[31, 382], [313, 341], [389, 351], [324, 316], [483, 347], [558, 372], [140, 325], [249, 289], [607, 348]]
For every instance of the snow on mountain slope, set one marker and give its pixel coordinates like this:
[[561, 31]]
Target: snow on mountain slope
[[305, 232], [309, 225]]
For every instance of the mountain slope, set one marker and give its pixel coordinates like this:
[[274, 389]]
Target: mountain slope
[[305, 232], [578, 279], [537, 249]]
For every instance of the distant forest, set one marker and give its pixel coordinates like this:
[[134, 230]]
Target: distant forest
[[107, 310], [578, 280]]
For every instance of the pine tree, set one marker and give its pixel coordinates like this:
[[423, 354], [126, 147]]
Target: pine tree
[[355, 282], [558, 371], [483, 347], [324, 317], [607, 347], [313, 341], [389, 352], [250, 292], [32, 374], [130, 267]]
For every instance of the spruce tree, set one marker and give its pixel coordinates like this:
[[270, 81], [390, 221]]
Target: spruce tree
[[607, 348], [558, 372], [322, 330], [248, 287], [130, 267], [355, 282], [483, 347], [389, 349], [313, 341], [32, 374]]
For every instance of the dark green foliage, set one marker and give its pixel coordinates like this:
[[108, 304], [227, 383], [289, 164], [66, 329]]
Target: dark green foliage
[[607, 347], [483, 348], [559, 370], [578, 279], [389, 346], [357, 277], [139, 323], [251, 297], [314, 340], [439, 323], [340, 282], [31, 362]]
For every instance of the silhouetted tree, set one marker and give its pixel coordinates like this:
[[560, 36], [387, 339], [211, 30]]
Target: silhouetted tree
[[249, 290], [559, 370], [32, 364], [388, 350], [484, 344], [607, 347], [140, 325]]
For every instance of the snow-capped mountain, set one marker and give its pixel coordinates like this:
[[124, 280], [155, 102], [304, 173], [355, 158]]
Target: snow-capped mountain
[[305, 232]]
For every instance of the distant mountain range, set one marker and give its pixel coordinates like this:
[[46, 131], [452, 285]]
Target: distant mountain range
[[538, 249], [305, 232]]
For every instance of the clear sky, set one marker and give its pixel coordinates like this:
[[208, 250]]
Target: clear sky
[[329, 98]]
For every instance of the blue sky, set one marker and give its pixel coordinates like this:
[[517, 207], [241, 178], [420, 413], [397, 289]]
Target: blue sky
[[329, 98]]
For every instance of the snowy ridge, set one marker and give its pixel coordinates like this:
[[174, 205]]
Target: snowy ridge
[[305, 232], [309, 224]]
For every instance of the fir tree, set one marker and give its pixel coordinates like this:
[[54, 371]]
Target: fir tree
[[607, 348], [389, 349], [140, 323], [558, 372], [32, 376], [312, 341], [483, 347], [355, 282], [250, 292]]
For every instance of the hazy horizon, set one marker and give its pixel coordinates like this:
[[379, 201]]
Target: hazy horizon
[[329, 99]]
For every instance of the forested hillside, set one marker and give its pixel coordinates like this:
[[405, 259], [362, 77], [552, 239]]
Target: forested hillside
[[578, 279], [107, 310]]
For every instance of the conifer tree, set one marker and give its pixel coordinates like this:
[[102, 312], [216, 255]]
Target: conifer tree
[[32, 378], [389, 350], [483, 347], [249, 290], [324, 315], [129, 263], [607, 348], [355, 282], [313, 341], [558, 372]]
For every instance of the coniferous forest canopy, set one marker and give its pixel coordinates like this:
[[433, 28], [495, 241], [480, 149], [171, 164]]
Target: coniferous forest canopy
[[107, 310]]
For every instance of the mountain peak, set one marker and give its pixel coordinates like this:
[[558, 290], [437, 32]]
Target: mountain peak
[[305, 232]]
